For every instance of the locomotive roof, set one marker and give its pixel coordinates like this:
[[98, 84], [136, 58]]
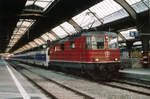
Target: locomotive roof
[[70, 37]]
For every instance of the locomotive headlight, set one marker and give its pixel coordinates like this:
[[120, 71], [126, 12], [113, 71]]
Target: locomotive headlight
[[96, 60], [116, 59]]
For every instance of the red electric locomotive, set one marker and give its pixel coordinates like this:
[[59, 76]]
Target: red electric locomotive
[[95, 53]]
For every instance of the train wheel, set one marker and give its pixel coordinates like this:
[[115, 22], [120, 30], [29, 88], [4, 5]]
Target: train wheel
[[100, 76], [93, 75], [107, 76], [83, 70]]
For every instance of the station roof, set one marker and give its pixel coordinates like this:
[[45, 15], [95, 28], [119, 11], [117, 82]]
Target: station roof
[[42, 20]]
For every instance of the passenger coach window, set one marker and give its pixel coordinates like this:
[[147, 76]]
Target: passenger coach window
[[72, 44], [97, 42], [62, 47]]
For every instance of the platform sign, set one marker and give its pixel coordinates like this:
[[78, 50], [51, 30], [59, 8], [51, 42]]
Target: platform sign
[[134, 33]]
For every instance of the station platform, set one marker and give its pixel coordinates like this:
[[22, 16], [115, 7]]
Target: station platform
[[138, 73], [14, 86]]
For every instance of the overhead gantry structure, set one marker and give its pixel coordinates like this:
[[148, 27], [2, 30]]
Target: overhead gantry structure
[[42, 20]]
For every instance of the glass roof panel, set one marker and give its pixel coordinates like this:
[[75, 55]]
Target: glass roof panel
[[24, 47], [45, 37], [32, 44], [147, 2], [137, 5], [21, 49], [126, 33], [86, 19], [101, 13], [59, 31], [22, 30], [41, 41], [68, 27], [41, 4], [25, 23], [44, 3], [29, 3], [13, 37], [132, 1], [28, 46], [50, 2], [17, 33], [37, 41], [105, 8], [108, 10], [115, 16], [21, 27], [14, 40], [51, 36], [19, 23]]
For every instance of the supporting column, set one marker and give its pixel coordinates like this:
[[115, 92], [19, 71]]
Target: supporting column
[[129, 47], [145, 44]]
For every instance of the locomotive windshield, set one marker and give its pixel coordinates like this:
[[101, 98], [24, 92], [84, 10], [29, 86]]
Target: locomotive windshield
[[113, 42], [95, 42]]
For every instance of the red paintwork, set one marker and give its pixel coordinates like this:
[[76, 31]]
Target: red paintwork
[[81, 54]]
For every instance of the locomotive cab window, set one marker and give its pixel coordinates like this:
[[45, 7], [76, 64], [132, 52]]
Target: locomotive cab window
[[72, 44], [113, 42], [97, 42], [62, 47]]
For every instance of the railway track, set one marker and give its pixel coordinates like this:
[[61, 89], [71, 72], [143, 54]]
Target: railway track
[[51, 88], [123, 84], [134, 82], [128, 86]]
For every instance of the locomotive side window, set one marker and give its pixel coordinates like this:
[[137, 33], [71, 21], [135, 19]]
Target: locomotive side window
[[72, 44], [62, 47], [113, 42], [55, 48], [97, 42], [88, 42]]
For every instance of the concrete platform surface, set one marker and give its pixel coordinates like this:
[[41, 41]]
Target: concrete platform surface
[[139, 73], [14, 86], [142, 71]]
